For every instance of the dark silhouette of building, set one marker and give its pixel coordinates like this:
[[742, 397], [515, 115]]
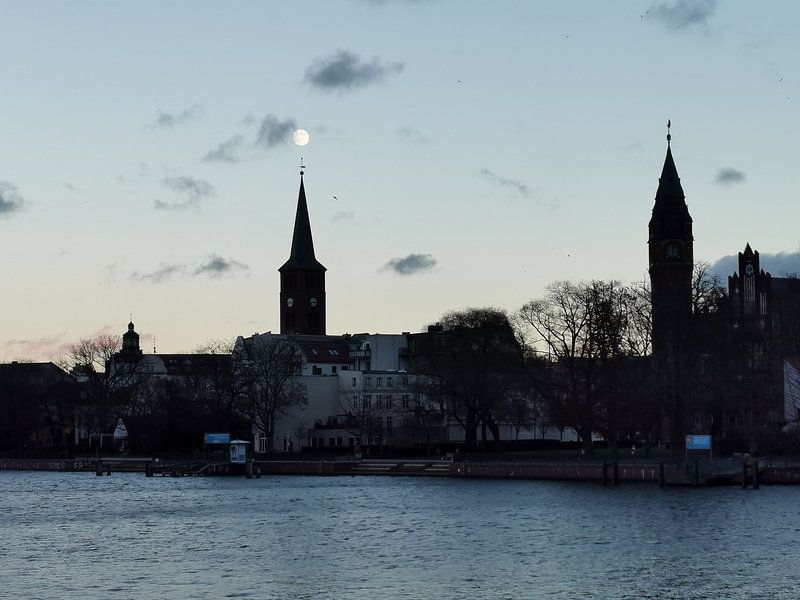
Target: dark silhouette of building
[[671, 257], [302, 295]]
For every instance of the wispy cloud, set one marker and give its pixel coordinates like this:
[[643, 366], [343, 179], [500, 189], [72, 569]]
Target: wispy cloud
[[171, 119], [413, 135], [516, 185], [193, 190], [779, 264], [683, 14], [228, 151], [344, 70], [344, 216], [729, 176], [274, 132], [213, 266], [216, 266], [10, 199], [411, 264], [37, 348]]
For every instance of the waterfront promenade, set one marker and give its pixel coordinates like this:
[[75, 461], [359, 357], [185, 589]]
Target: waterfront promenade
[[608, 472]]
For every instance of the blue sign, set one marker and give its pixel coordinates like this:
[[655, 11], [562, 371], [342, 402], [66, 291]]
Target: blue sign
[[217, 438], [698, 442]]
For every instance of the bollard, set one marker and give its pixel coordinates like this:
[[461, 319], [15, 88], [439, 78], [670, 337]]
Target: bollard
[[99, 468], [148, 469], [744, 474], [249, 469], [755, 475]]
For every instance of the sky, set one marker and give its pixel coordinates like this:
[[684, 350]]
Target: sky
[[463, 153]]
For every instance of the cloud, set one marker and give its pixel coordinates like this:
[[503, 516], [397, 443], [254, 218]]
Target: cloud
[[216, 266], [779, 264], [10, 200], [729, 176], [274, 132], [678, 14], [164, 273], [413, 135], [411, 264], [226, 151], [516, 185], [169, 120], [194, 192], [345, 71], [344, 216]]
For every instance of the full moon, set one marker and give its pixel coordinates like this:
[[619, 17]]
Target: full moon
[[300, 137]]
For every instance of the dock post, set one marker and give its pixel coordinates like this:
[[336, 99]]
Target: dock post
[[661, 475], [615, 473], [249, 468], [605, 473], [744, 474], [696, 474], [148, 469], [755, 475], [99, 468]]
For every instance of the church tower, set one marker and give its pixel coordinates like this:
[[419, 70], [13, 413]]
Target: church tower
[[131, 352], [302, 279], [671, 262]]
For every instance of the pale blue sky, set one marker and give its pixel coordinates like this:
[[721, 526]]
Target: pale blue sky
[[516, 143]]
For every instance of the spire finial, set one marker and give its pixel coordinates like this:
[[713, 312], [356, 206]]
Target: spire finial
[[302, 167], [154, 345], [669, 135]]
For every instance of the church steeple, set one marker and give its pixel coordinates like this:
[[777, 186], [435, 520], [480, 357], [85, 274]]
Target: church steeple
[[302, 254], [671, 258], [302, 278], [130, 344]]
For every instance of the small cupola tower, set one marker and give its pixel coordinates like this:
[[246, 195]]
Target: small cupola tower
[[130, 345], [671, 259], [302, 297]]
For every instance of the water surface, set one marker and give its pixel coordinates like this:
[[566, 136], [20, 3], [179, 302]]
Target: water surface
[[76, 535]]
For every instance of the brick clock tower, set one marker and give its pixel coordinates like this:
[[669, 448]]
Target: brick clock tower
[[302, 296], [671, 262]]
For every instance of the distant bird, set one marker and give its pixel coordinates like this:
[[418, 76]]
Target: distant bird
[[335, 198]]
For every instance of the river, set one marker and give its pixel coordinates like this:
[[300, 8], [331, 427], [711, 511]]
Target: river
[[76, 535]]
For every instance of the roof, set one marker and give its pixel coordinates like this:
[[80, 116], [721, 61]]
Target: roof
[[302, 255], [194, 364], [320, 349], [669, 196]]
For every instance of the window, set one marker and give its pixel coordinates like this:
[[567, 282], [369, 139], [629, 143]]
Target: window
[[345, 368], [389, 402], [332, 442], [388, 423], [380, 382], [368, 381], [315, 370], [355, 382], [405, 400], [388, 382], [333, 369], [367, 402], [405, 380], [379, 403]]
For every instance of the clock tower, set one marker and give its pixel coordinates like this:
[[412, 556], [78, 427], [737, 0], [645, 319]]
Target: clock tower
[[671, 255], [302, 296]]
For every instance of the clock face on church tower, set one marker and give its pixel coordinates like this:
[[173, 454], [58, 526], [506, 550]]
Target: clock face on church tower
[[313, 302], [748, 269], [673, 252], [290, 302]]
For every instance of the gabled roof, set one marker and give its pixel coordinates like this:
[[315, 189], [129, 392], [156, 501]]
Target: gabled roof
[[302, 256]]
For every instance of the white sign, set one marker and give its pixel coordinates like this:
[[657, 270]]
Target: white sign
[[238, 454]]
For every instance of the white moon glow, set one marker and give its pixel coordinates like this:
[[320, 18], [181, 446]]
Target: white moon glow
[[301, 137]]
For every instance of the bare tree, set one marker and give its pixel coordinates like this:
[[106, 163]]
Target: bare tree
[[267, 367], [107, 384]]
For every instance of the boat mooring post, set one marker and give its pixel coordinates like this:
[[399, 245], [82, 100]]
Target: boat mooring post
[[755, 475], [696, 474], [744, 473], [99, 468]]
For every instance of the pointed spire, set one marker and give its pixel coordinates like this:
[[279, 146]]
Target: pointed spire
[[302, 254], [669, 196]]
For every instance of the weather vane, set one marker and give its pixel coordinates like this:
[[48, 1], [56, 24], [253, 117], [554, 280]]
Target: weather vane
[[302, 167], [669, 135]]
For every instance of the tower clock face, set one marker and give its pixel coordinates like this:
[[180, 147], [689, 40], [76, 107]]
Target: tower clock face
[[673, 252], [290, 302], [749, 269], [313, 302]]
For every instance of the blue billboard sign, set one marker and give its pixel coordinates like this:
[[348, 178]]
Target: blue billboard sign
[[698, 442], [217, 438]]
